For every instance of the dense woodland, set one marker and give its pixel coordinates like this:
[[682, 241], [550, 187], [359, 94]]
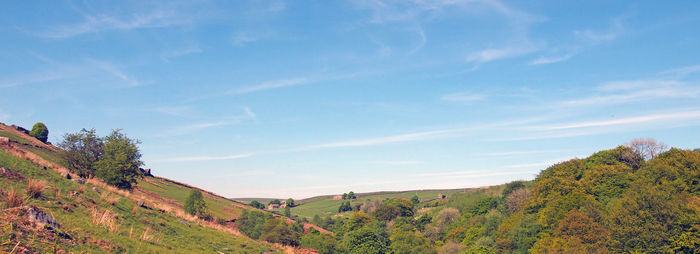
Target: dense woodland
[[614, 201]]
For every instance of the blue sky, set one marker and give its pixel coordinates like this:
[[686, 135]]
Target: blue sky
[[301, 98]]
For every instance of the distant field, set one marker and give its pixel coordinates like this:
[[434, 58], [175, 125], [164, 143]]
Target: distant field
[[325, 205]]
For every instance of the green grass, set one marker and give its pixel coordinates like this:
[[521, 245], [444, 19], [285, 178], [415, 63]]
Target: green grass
[[167, 232], [218, 206]]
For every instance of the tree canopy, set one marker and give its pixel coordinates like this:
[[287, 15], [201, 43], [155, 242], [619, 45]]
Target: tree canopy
[[120, 161], [40, 132]]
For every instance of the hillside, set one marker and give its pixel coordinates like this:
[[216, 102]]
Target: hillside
[[95, 217], [614, 201]]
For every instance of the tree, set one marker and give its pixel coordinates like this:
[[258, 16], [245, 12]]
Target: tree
[[290, 202], [364, 240], [345, 196], [119, 165], [275, 202], [195, 205], [40, 132], [647, 148], [257, 204], [415, 200], [351, 195], [287, 211], [345, 206], [81, 151]]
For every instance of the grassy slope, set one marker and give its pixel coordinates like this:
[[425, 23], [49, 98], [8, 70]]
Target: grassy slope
[[76, 214], [166, 231]]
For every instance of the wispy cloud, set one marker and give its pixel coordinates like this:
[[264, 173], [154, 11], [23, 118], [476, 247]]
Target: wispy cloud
[[396, 163], [116, 71], [492, 54], [206, 158], [174, 110], [653, 118], [592, 36], [549, 60], [162, 16], [273, 84], [186, 129], [241, 39], [463, 97], [681, 72], [175, 53], [637, 84]]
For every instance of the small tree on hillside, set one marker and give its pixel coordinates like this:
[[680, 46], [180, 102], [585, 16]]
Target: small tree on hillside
[[119, 165], [275, 202], [81, 151], [290, 202], [647, 148], [351, 195], [40, 132], [257, 204], [195, 205]]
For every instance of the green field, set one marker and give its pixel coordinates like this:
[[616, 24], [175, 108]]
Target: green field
[[218, 206], [325, 205]]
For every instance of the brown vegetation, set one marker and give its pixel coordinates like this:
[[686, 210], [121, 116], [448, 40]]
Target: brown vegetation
[[35, 188], [13, 199]]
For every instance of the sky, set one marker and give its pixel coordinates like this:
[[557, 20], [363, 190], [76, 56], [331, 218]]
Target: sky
[[303, 98]]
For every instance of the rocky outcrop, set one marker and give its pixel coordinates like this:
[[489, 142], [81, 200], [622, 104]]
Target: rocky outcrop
[[41, 218]]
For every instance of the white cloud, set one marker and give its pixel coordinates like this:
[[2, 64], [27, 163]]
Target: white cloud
[[267, 85], [682, 71], [654, 118], [637, 84], [549, 60], [241, 39], [492, 54]]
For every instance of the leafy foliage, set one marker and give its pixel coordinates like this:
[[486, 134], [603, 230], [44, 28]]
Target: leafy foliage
[[195, 205], [119, 165], [257, 204], [40, 132], [81, 151]]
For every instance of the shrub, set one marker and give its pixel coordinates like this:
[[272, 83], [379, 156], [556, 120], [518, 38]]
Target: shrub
[[290, 202], [40, 132], [35, 188], [195, 205]]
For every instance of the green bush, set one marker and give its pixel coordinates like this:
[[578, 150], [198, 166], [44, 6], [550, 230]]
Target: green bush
[[195, 205], [40, 132], [119, 165]]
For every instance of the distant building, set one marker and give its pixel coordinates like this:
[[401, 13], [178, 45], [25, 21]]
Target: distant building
[[441, 196], [273, 206], [337, 197]]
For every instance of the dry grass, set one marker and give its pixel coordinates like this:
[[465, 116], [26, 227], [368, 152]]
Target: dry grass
[[105, 218], [146, 236], [35, 188], [13, 199], [110, 198], [81, 188]]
